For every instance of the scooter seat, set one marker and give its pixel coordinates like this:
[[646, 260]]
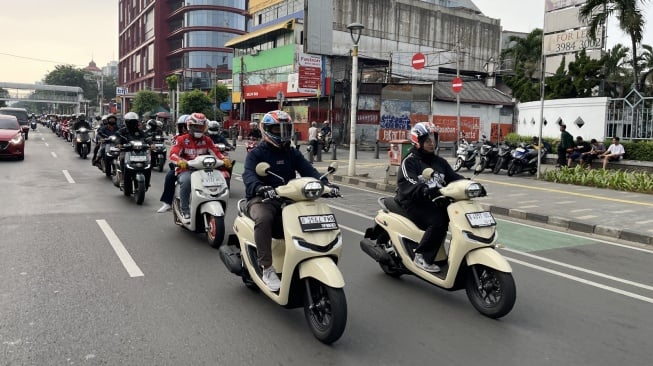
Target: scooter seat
[[393, 206]]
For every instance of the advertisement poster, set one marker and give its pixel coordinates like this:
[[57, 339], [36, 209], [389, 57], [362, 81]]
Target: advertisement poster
[[446, 125]]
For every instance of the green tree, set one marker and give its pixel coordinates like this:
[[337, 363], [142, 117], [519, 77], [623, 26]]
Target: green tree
[[646, 66], [218, 94], [146, 101], [68, 75], [558, 85], [195, 101], [614, 73], [525, 54], [630, 19], [585, 74]]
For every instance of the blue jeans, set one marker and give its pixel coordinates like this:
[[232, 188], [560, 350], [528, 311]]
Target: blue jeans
[[169, 187], [184, 190]]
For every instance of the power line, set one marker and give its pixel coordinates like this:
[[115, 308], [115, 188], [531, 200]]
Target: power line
[[38, 59]]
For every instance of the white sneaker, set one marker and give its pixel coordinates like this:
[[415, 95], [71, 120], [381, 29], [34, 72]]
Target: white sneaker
[[421, 263], [185, 218], [165, 208], [271, 279]]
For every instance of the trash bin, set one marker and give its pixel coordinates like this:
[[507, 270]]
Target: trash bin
[[398, 150]]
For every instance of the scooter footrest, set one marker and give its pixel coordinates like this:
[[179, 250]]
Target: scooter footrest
[[231, 258]]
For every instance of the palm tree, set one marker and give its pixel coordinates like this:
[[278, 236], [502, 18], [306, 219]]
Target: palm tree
[[613, 71], [646, 66], [525, 54], [629, 16]]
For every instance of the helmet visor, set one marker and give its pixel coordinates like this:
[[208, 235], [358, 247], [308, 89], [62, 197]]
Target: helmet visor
[[282, 130]]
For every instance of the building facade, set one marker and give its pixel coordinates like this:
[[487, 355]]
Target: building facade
[[296, 54], [159, 38]]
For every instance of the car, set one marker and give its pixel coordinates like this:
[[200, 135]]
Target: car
[[12, 142], [21, 115]]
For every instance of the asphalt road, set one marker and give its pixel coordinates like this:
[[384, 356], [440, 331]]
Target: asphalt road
[[70, 295]]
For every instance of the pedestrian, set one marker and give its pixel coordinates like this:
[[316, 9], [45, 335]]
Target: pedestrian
[[312, 138], [615, 152], [566, 142], [597, 149], [581, 147]]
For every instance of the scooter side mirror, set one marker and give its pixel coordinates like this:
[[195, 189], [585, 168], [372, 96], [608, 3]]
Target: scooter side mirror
[[262, 169], [427, 173], [332, 167]]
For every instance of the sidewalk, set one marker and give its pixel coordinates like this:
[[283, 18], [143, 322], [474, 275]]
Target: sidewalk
[[622, 215]]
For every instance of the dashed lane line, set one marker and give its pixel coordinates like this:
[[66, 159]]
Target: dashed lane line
[[122, 253]]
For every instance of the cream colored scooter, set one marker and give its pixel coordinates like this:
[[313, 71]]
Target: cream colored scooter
[[305, 256], [471, 262]]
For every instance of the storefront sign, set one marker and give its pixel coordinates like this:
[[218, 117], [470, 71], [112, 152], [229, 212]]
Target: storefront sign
[[446, 126]]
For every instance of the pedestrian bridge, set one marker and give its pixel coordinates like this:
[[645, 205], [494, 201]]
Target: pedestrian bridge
[[41, 93]]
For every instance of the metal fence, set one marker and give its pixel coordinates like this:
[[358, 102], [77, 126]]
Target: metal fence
[[630, 118]]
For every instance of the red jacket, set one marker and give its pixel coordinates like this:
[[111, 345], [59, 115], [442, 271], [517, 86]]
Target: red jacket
[[187, 147]]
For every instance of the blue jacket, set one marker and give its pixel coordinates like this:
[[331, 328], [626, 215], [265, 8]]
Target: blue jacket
[[285, 163]]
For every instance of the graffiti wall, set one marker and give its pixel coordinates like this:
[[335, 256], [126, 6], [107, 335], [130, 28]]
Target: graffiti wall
[[398, 116]]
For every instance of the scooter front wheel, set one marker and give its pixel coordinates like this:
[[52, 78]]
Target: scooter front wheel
[[325, 309], [497, 166], [458, 164], [214, 230], [494, 295], [140, 192]]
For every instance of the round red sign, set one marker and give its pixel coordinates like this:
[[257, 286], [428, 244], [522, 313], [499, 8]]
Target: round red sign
[[457, 84], [419, 61]]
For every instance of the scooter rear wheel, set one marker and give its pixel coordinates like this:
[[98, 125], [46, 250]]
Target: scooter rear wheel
[[327, 316], [458, 164], [497, 166], [495, 296]]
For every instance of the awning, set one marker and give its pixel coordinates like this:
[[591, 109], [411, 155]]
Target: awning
[[277, 28]]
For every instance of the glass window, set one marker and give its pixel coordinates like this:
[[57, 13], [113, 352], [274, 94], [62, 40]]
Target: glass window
[[240, 4], [214, 18], [150, 57], [207, 59], [206, 39], [149, 24]]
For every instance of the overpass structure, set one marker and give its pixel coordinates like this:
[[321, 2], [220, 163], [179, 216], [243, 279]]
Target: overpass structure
[[42, 93]]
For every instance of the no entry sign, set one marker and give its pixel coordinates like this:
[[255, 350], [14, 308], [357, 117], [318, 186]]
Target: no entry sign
[[419, 61], [457, 85]]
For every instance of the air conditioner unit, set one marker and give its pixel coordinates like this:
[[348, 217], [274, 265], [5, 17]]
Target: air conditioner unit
[[254, 52]]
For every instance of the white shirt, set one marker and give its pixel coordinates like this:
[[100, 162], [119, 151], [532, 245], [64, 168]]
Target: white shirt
[[312, 133], [616, 149]]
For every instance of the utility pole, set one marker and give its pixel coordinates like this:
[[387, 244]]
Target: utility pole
[[458, 131]]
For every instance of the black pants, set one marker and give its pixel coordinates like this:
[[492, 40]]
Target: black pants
[[267, 222], [562, 156], [434, 221], [314, 147], [169, 187]]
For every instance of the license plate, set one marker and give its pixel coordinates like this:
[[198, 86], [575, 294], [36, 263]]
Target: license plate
[[211, 182], [138, 158], [480, 219], [158, 146], [318, 222]]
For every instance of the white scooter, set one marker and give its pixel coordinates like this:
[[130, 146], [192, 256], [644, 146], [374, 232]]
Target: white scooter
[[208, 199], [471, 262], [305, 256]]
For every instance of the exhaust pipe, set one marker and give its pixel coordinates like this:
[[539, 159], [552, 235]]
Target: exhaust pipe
[[373, 250]]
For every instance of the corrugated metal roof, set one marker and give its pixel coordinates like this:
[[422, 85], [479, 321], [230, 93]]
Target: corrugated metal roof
[[474, 91]]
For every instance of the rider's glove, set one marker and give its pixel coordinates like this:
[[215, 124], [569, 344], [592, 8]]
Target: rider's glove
[[441, 201], [182, 164], [266, 192], [335, 190], [226, 163]]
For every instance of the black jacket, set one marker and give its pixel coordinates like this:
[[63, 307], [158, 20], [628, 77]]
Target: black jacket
[[127, 135], [284, 163], [410, 183]]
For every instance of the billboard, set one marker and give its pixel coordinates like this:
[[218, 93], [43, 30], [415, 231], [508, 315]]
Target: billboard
[[570, 41], [258, 5], [550, 5]]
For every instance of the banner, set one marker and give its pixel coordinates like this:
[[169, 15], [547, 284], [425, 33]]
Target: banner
[[446, 125]]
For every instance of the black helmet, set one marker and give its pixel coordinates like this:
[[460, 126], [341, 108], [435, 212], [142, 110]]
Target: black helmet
[[151, 124]]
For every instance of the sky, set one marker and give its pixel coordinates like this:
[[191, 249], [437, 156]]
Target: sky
[[41, 34]]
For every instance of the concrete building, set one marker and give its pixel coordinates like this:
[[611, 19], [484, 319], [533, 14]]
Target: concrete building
[[159, 38], [297, 54]]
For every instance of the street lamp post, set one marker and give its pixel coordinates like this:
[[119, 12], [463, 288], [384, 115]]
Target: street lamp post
[[355, 33]]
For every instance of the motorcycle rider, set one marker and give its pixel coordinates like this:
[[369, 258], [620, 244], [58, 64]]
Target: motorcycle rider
[[81, 122], [254, 132], [415, 193], [215, 133], [275, 149], [187, 147], [108, 129], [169, 182], [130, 132]]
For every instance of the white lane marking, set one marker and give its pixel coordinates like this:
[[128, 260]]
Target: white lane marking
[[580, 210], [580, 269], [126, 259], [46, 144], [529, 206], [529, 201], [622, 211], [69, 178], [586, 217], [644, 222], [54, 155], [584, 281], [351, 212], [565, 202], [42, 138], [352, 230]]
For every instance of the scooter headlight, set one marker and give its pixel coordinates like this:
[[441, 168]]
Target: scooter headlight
[[474, 190], [313, 190], [209, 162]]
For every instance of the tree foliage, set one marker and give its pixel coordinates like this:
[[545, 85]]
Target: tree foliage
[[195, 101], [146, 101]]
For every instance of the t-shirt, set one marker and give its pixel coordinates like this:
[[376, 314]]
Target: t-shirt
[[312, 133], [616, 149]]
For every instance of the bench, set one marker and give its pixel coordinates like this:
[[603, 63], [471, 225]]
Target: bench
[[623, 164]]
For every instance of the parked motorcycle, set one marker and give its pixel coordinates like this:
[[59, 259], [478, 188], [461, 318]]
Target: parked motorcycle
[[208, 200], [488, 155], [524, 158], [306, 254], [504, 156], [82, 142], [324, 140], [471, 261], [158, 152], [466, 155], [137, 170]]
